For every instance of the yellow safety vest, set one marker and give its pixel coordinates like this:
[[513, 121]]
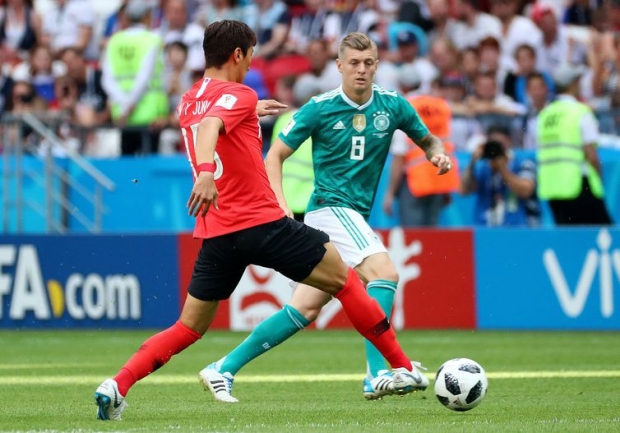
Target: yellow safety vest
[[126, 52], [297, 171], [561, 158]]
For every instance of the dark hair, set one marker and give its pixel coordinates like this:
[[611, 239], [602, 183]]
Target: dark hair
[[178, 44], [498, 129], [526, 47], [535, 75], [222, 38]]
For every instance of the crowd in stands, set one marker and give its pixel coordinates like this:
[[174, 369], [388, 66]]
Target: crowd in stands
[[490, 59]]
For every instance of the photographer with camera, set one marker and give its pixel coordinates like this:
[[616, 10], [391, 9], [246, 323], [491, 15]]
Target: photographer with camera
[[504, 183]]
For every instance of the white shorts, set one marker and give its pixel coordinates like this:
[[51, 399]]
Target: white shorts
[[348, 231]]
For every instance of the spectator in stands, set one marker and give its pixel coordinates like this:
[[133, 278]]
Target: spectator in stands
[[415, 12], [538, 96], [177, 79], [20, 28], [177, 76], [133, 79], [504, 183], [558, 46], [489, 56], [176, 27], [469, 62], [578, 13], [351, 16], [271, 21], [68, 103], [516, 30], [217, 10], [70, 24], [307, 26], [473, 25], [443, 23], [41, 71], [464, 125], [24, 100], [444, 56], [569, 174], [487, 100], [6, 83], [604, 59], [515, 82], [323, 68], [88, 81]]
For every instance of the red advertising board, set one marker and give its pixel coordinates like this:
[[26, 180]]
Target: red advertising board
[[436, 289]]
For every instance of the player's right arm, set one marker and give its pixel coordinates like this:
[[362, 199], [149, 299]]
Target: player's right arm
[[278, 152], [299, 128], [204, 193]]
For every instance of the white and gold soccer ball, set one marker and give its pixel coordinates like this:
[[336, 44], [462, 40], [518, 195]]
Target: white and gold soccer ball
[[461, 384]]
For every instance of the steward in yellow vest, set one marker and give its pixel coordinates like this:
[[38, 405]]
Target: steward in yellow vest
[[569, 170], [297, 171], [133, 78]]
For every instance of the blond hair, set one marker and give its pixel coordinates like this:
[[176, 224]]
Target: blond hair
[[356, 41]]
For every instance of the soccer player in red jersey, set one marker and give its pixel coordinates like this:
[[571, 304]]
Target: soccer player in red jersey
[[241, 223]]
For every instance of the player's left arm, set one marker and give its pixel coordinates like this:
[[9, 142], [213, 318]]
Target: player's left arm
[[435, 152]]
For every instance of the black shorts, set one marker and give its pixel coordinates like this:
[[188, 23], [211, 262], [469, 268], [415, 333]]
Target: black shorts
[[285, 245]]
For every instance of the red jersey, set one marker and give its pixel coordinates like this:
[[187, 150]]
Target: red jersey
[[245, 196]]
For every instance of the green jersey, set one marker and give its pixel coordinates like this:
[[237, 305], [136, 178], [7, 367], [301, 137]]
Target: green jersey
[[350, 144]]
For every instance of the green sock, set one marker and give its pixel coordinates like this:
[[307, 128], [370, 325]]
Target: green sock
[[383, 291], [269, 333]]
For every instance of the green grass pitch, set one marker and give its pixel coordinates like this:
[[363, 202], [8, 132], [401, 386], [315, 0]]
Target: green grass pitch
[[538, 382]]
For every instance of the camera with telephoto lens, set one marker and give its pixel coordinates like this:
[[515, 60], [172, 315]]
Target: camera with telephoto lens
[[493, 149]]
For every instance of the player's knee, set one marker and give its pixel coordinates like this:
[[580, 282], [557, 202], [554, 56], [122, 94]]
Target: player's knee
[[310, 312]]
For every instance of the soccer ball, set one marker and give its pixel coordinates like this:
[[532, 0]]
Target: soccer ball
[[461, 384]]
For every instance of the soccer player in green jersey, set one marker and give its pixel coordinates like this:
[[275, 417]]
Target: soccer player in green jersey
[[351, 129]]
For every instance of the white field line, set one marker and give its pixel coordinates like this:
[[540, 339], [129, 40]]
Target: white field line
[[183, 379]]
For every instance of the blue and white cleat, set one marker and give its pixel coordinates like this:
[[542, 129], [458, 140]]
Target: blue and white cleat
[[406, 381], [110, 403], [220, 384], [378, 387]]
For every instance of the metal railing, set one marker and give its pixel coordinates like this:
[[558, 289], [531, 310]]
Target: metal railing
[[20, 135]]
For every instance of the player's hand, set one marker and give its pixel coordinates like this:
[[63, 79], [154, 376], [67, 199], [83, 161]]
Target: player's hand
[[287, 211], [265, 107], [442, 162], [204, 193]]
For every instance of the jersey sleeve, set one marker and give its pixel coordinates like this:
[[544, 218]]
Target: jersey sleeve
[[410, 122], [301, 126], [233, 106]]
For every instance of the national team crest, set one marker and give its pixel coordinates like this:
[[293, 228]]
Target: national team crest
[[381, 122], [359, 122]]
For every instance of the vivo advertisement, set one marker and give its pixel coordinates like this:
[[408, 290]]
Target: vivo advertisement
[[549, 279], [449, 279], [88, 281]]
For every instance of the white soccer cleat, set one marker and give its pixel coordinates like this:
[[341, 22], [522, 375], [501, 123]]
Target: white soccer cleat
[[110, 403], [377, 387], [220, 384], [406, 381]]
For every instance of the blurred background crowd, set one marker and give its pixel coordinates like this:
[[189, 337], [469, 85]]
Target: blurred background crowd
[[491, 60]]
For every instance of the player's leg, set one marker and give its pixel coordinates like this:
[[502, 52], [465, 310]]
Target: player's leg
[[305, 254], [382, 279], [302, 309], [215, 276]]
